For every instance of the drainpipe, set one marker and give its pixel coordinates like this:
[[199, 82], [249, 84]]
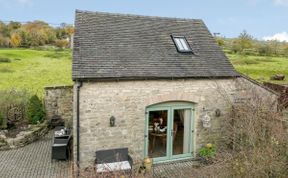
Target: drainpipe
[[79, 85]]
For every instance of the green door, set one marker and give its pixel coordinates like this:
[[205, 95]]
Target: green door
[[169, 131]]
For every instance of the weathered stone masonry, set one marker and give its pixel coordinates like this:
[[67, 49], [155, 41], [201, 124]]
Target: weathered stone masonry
[[59, 101], [127, 101]]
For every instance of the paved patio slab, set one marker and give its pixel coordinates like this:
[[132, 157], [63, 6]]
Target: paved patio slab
[[180, 169], [33, 161]]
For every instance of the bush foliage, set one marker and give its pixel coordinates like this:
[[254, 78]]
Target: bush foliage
[[13, 106], [253, 142], [207, 151], [5, 60], [246, 44], [63, 43], [35, 112], [1, 119], [33, 34]]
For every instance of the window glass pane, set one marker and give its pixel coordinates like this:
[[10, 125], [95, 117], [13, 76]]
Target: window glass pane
[[181, 131], [157, 138], [184, 44], [179, 44]]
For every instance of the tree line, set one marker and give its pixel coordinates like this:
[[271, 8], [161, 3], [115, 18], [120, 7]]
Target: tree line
[[39, 33], [34, 34], [246, 44]]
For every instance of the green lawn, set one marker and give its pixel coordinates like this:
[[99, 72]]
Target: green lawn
[[33, 69], [260, 67]]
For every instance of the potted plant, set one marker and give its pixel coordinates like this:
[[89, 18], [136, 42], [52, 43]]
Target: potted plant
[[206, 153]]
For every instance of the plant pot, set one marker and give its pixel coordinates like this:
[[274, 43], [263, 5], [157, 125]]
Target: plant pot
[[148, 163]]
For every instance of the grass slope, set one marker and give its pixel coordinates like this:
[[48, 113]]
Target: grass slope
[[33, 69], [260, 67]]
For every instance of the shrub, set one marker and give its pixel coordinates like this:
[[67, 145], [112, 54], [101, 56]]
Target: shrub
[[35, 111], [266, 59], [245, 60], [6, 60], [1, 119], [220, 41], [255, 137], [207, 153], [253, 141], [15, 40], [13, 104], [243, 42], [63, 43], [4, 40]]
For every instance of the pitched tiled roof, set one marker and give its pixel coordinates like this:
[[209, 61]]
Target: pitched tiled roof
[[115, 46]]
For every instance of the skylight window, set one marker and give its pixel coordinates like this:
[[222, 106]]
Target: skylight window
[[181, 44]]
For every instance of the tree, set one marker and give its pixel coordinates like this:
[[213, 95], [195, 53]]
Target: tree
[[244, 41], [15, 40], [38, 33], [62, 43], [264, 49], [64, 35], [64, 31], [285, 49], [13, 25], [4, 30], [274, 45], [4, 41], [220, 41]]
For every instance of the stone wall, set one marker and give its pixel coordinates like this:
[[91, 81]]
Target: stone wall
[[33, 133], [127, 101], [59, 101]]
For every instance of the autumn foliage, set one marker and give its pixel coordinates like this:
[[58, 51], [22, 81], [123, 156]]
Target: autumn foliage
[[33, 34], [15, 40]]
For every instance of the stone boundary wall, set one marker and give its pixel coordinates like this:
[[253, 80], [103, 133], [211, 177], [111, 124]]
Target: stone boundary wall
[[24, 137], [58, 100]]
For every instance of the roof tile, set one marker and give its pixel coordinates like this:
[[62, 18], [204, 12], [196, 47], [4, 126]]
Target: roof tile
[[115, 46]]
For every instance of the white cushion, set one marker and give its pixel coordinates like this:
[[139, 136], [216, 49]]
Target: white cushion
[[116, 166]]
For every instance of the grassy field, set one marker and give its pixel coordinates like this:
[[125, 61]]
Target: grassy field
[[33, 69], [260, 68]]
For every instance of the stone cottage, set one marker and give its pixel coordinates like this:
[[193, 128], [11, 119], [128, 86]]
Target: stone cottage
[[156, 85]]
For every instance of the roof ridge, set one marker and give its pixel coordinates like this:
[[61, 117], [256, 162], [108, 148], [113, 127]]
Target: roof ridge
[[135, 15]]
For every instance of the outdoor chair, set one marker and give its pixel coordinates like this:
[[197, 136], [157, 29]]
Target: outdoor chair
[[113, 160]]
